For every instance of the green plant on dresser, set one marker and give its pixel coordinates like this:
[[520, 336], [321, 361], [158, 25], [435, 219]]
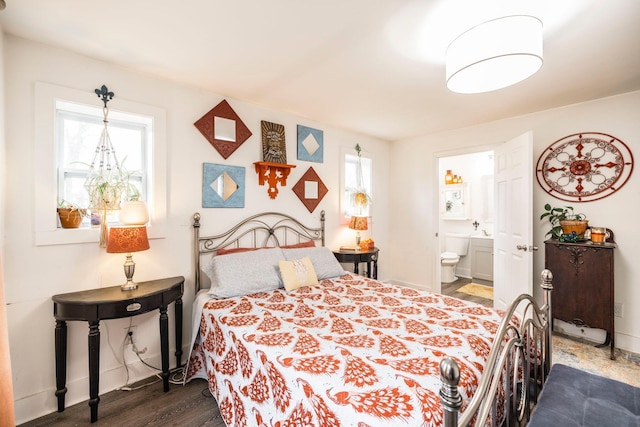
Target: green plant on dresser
[[564, 221]]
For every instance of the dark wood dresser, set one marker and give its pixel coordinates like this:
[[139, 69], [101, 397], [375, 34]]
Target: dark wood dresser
[[583, 284]]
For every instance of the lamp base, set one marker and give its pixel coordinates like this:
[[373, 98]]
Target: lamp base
[[129, 269], [129, 286]]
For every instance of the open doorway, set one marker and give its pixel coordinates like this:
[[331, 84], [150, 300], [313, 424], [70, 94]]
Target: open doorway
[[465, 224]]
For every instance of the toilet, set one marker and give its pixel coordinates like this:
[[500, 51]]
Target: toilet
[[455, 246]]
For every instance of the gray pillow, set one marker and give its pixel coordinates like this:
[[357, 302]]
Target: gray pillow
[[323, 260], [244, 273]]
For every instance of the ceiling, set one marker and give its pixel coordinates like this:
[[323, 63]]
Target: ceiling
[[373, 67]]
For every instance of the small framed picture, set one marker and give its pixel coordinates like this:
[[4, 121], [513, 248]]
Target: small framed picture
[[274, 147]]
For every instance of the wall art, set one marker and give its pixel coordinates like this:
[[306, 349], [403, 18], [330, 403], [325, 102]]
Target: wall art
[[583, 167], [223, 186], [274, 148], [310, 189], [310, 144], [224, 130]]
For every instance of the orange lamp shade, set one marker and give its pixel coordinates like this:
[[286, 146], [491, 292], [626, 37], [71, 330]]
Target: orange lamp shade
[[127, 239], [358, 223]]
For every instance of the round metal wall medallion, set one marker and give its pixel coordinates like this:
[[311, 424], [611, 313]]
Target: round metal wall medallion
[[584, 167]]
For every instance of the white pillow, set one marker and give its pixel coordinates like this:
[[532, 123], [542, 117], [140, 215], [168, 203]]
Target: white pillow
[[323, 260], [298, 273], [244, 273]]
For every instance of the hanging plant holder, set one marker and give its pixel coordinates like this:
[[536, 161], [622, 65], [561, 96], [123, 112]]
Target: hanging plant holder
[[359, 198], [106, 182]]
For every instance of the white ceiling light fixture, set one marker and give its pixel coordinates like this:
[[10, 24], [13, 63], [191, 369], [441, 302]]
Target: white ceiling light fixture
[[495, 54]]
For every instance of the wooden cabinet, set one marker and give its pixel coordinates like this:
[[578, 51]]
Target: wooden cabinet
[[583, 284]]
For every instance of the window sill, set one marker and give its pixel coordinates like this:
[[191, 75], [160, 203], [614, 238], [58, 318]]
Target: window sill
[[68, 236]]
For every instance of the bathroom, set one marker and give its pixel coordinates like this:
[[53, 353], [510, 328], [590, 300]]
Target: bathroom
[[466, 214]]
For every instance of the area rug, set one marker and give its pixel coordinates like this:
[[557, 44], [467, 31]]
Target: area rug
[[587, 356], [477, 290]]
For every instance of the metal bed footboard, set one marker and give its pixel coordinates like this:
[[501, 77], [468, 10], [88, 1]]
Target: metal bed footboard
[[519, 361]]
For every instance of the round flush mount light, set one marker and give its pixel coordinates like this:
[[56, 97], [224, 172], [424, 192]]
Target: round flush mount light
[[495, 54]]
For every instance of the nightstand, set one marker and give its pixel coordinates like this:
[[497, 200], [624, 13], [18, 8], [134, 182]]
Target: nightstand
[[370, 257], [113, 303]]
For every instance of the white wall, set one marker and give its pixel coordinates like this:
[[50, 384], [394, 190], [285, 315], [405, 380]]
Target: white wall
[[413, 245], [33, 274]]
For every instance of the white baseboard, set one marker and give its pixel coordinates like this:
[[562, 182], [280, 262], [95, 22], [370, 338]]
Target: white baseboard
[[628, 343], [410, 285]]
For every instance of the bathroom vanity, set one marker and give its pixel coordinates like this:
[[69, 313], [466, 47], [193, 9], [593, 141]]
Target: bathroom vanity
[[481, 257]]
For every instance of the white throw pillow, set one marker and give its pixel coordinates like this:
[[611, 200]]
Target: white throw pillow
[[297, 273]]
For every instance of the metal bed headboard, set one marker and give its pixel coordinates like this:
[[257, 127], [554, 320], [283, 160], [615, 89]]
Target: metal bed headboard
[[267, 229]]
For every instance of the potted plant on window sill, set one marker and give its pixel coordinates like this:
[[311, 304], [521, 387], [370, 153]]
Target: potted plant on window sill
[[70, 214], [564, 221]]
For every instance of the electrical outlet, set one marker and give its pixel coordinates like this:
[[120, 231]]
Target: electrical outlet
[[131, 339], [617, 309]]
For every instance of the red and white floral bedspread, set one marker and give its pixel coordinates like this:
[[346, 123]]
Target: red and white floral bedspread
[[348, 352]]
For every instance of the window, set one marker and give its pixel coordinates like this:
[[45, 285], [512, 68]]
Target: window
[[354, 181], [78, 132], [68, 127]]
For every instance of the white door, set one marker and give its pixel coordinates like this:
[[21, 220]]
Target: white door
[[513, 226]]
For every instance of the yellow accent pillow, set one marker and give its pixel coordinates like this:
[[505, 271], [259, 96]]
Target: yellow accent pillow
[[297, 273]]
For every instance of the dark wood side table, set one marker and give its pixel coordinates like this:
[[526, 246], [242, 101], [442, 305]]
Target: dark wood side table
[[113, 303], [369, 257]]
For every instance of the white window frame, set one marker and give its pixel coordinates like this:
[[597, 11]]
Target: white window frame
[[46, 164], [348, 156], [94, 115]]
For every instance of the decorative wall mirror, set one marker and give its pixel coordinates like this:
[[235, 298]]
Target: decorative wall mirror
[[224, 130], [454, 203], [310, 189], [310, 144], [223, 186], [486, 183]]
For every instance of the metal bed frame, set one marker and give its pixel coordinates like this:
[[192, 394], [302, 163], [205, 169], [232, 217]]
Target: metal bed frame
[[267, 229], [523, 353]]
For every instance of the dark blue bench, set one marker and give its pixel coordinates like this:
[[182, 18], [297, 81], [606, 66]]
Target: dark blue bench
[[572, 397]]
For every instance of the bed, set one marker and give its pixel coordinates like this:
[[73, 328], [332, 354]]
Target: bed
[[285, 337]]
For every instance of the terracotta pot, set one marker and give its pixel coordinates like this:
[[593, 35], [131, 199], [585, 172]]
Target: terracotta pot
[[572, 225], [70, 218]]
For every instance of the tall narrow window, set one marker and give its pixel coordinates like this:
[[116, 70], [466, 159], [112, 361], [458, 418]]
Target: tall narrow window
[[357, 179]]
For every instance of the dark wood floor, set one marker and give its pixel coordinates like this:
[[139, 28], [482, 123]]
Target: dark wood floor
[[451, 290], [189, 405]]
